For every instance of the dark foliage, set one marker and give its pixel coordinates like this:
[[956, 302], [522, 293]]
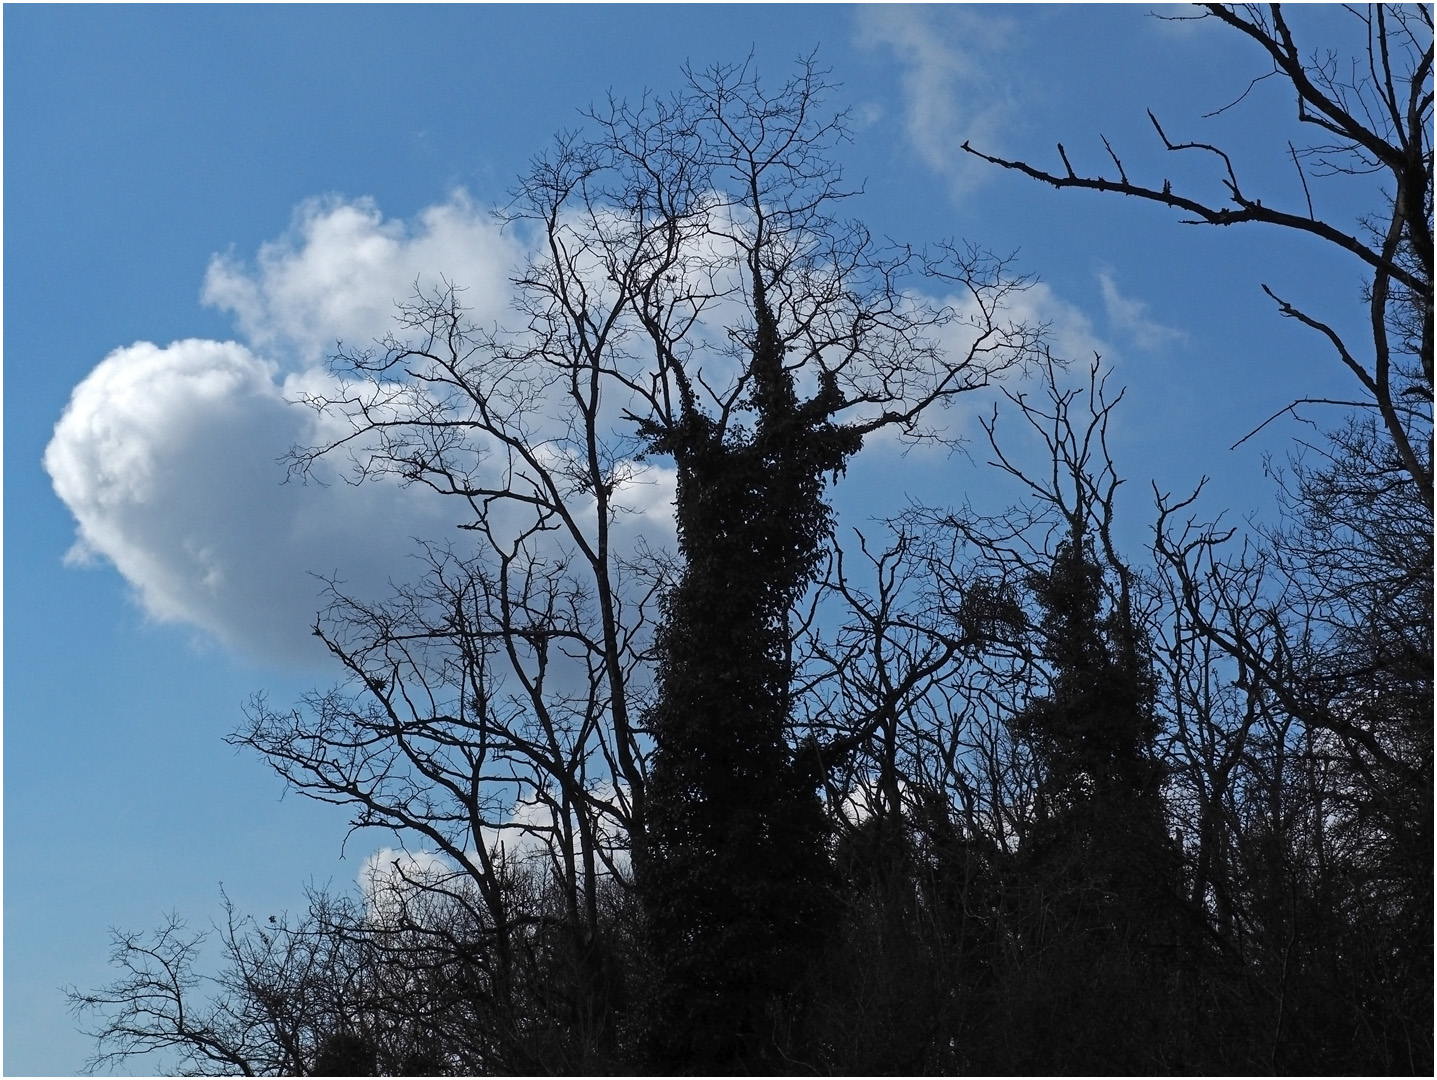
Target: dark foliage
[[735, 875]]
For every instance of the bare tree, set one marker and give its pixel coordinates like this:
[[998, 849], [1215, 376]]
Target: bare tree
[[1054, 784], [286, 989], [392, 987], [1300, 672], [1373, 109]]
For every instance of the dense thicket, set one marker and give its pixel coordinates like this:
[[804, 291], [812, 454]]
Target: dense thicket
[[989, 796]]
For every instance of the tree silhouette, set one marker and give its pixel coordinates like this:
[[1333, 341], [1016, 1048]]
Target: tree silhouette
[[985, 795]]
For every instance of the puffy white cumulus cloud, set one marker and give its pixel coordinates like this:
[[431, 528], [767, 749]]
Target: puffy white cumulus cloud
[[169, 459], [338, 272]]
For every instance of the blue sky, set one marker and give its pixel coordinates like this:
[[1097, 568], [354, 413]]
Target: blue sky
[[181, 178]]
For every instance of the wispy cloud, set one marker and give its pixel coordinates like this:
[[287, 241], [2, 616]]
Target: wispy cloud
[[1067, 332], [1129, 317], [951, 74]]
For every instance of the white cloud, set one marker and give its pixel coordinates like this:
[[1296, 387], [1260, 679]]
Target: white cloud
[[531, 831], [1070, 332], [395, 868], [338, 272], [1067, 331], [1129, 316], [169, 459], [952, 82], [392, 879], [169, 456]]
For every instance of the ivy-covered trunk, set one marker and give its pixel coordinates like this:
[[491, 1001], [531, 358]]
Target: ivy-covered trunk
[[735, 875]]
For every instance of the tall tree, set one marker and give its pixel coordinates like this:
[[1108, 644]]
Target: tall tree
[[693, 296], [735, 873], [734, 865]]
